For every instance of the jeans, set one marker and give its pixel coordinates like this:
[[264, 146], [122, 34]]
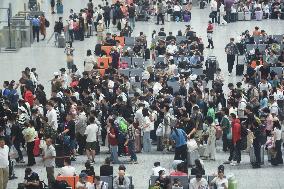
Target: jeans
[[36, 33], [56, 34], [257, 146], [131, 150], [181, 153], [132, 22], [17, 147], [146, 142], [30, 148], [71, 35], [113, 154], [230, 61], [235, 151], [160, 16]]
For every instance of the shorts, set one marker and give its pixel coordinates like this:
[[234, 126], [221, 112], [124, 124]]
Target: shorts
[[91, 145]]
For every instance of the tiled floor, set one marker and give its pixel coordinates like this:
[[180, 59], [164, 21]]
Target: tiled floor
[[47, 59]]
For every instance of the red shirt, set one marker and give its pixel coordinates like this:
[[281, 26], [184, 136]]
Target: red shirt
[[236, 130], [178, 173], [29, 97], [210, 28], [112, 141]]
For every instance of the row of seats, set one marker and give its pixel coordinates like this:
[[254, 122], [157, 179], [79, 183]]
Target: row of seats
[[72, 180], [184, 180]]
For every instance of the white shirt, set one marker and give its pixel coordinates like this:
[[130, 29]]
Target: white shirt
[[146, 123], [87, 185], [202, 184], [4, 153], [67, 171], [70, 24], [138, 116], [156, 88], [91, 132], [219, 182], [278, 134], [52, 118], [241, 108], [264, 87], [213, 5], [172, 49], [274, 108], [110, 85], [177, 8], [155, 170]]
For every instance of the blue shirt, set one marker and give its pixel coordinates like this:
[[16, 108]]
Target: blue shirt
[[35, 22], [179, 136]]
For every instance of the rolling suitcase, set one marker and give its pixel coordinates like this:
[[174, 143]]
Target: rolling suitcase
[[191, 157], [241, 16], [258, 15], [36, 149], [59, 8], [60, 155], [239, 68], [61, 41], [247, 16], [252, 156]]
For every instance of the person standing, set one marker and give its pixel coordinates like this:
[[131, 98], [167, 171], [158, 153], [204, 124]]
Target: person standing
[[58, 28], [4, 163], [132, 14], [160, 12], [29, 136], [256, 143], [214, 9], [106, 15], [52, 5], [210, 35], [112, 139], [146, 124], [100, 32], [92, 139], [225, 125], [71, 28], [43, 26], [231, 51], [48, 158], [277, 142], [36, 25], [210, 150], [130, 142], [179, 137]]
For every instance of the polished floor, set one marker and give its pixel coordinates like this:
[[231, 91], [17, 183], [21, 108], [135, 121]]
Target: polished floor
[[48, 59]]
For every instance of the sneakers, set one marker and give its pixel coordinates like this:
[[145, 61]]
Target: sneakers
[[227, 162]]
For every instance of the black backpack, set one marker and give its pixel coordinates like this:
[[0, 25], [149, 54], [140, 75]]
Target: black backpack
[[47, 23]]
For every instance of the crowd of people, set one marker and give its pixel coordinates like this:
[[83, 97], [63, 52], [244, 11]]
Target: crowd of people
[[89, 109]]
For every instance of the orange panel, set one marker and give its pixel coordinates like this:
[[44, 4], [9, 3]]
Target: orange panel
[[253, 64], [107, 49], [103, 62], [70, 180], [120, 39], [102, 72]]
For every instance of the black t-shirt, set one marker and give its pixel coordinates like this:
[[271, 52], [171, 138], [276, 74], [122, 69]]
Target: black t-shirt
[[107, 11], [71, 127], [106, 170], [163, 183], [169, 38], [16, 132], [33, 177], [264, 72], [84, 83], [131, 12], [161, 33], [161, 50]]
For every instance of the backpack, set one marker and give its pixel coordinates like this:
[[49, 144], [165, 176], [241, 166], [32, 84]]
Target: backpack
[[47, 23], [122, 125]]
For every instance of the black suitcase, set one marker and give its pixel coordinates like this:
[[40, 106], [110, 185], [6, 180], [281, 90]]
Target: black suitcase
[[239, 68], [60, 155], [211, 66]]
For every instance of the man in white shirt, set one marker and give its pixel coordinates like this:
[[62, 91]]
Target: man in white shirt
[[264, 86], [4, 163], [48, 158], [67, 170], [172, 48], [241, 106], [274, 106], [100, 184], [138, 117], [51, 116], [157, 167], [198, 182], [92, 137]]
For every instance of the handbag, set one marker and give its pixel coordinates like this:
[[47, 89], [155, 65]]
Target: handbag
[[13, 153], [211, 15]]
